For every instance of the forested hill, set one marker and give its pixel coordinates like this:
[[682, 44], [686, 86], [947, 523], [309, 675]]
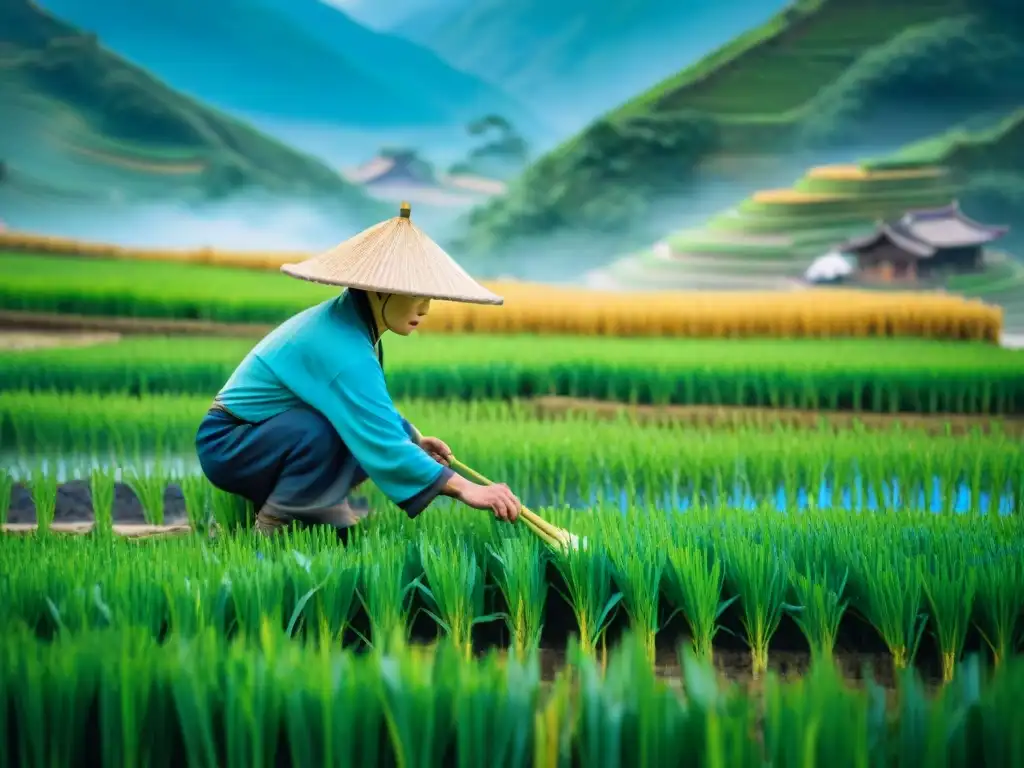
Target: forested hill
[[821, 74]]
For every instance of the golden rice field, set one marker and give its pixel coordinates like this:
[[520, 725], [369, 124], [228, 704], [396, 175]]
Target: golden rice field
[[152, 289]]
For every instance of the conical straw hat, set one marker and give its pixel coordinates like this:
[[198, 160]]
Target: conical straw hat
[[394, 256]]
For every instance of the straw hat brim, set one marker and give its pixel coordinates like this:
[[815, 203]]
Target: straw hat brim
[[394, 256]]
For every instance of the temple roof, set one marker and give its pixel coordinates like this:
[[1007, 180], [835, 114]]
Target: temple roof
[[924, 232]]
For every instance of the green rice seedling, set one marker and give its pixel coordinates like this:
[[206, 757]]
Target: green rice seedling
[[890, 596], [629, 716], [231, 512], [138, 598], [195, 682], [821, 720], [520, 575], [454, 589], [44, 497], [693, 584], [1000, 596], [258, 591], [198, 602], [133, 722], [587, 573], [197, 492], [6, 488], [330, 714], [252, 701], [53, 690], [385, 590], [950, 588], [417, 688], [761, 581], [149, 487], [101, 489], [638, 563], [494, 709], [330, 612], [822, 609]]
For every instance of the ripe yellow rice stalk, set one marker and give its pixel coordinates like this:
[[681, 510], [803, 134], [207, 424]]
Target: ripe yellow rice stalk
[[812, 313]]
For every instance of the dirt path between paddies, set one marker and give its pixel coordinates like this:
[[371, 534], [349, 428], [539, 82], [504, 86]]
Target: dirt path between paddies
[[128, 531], [725, 417], [16, 340], [14, 320]]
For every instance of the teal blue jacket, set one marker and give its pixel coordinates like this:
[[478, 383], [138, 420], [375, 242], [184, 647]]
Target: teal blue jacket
[[325, 358]]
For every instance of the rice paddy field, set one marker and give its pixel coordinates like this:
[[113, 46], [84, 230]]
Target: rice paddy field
[[227, 294], [762, 594]]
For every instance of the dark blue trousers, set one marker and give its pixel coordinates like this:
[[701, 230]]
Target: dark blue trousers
[[294, 458]]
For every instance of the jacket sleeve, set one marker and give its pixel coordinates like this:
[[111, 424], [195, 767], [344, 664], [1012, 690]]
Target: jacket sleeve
[[362, 412]]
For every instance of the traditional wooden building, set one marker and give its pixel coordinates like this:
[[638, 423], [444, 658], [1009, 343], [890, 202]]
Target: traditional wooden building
[[922, 243]]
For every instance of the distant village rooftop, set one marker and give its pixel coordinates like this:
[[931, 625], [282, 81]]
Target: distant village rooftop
[[924, 233], [922, 243]]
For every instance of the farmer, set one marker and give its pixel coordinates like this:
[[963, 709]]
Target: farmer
[[306, 417]]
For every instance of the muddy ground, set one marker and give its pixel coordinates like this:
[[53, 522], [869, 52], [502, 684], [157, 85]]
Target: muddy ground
[[17, 340], [74, 504], [734, 666], [726, 417], [12, 320]]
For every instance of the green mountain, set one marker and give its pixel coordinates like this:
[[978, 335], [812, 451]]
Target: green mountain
[[295, 60], [819, 75], [575, 58], [83, 125]]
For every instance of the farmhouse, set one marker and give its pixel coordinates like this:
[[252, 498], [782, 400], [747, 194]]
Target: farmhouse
[[922, 243]]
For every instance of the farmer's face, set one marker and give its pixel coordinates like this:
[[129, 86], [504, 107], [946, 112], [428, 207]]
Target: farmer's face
[[403, 314]]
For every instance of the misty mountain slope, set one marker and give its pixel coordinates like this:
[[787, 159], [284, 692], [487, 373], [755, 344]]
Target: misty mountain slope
[[402, 65], [823, 74], [83, 126], [299, 60], [577, 58]]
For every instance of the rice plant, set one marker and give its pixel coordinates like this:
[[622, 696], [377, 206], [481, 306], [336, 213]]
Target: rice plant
[[891, 597], [587, 573], [520, 576], [761, 580], [231, 512], [950, 588], [1000, 596], [44, 497], [417, 690], [102, 484], [332, 581], [385, 590], [494, 708], [197, 493], [638, 563], [454, 589], [693, 583], [149, 487], [822, 609]]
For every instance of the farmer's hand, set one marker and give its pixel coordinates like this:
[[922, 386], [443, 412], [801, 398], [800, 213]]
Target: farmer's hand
[[436, 449], [494, 497]]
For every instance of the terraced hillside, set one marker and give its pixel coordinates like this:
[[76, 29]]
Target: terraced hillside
[[82, 126], [769, 239], [820, 73]]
